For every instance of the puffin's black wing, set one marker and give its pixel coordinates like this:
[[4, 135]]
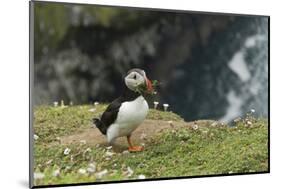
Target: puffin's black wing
[[109, 116]]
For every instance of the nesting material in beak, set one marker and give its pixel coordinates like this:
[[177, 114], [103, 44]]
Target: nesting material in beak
[[148, 85]]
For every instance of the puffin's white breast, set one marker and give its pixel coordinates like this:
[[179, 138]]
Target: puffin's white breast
[[131, 114]]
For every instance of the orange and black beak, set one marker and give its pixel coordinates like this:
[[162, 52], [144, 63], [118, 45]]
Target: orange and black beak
[[149, 86]]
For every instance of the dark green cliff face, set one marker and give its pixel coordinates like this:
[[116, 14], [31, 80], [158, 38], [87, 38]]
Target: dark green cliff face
[[209, 66]]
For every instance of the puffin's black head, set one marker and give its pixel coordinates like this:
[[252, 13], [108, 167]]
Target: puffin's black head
[[136, 77]]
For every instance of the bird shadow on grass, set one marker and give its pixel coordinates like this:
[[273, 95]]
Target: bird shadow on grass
[[117, 148]]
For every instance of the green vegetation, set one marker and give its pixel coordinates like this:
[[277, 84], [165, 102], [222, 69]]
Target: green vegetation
[[53, 22], [51, 122], [183, 151]]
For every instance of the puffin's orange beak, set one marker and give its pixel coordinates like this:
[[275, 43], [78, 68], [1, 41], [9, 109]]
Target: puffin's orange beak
[[148, 85]]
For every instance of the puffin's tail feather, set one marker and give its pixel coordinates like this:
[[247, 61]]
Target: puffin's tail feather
[[99, 124]]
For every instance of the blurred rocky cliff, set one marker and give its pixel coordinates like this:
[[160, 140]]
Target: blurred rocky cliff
[[209, 66]]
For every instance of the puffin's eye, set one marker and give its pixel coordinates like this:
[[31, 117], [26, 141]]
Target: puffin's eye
[[135, 76]]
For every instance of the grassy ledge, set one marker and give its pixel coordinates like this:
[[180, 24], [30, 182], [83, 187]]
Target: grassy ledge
[[179, 151]]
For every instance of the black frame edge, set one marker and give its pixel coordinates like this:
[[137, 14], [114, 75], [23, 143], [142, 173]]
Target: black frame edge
[[155, 9], [31, 73]]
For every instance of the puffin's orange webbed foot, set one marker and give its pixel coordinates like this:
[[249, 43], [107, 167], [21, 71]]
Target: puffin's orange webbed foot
[[133, 148], [136, 148]]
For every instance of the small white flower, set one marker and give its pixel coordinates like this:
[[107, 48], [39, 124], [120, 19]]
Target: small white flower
[[141, 165], [115, 165], [155, 104], [83, 141], [56, 104], [237, 120], [109, 154], [141, 177], [130, 172], [205, 132], [143, 136], [165, 106], [92, 110], [91, 170], [171, 123], [67, 168], [88, 150], [125, 152], [249, 122], [195, 126], [109, 147], [71, 103], [92, 165], [36, 137], [62, 103], [253, 110], [38, 175], [56, 173], [101, 174], [96, 103], [66, 151], [82, 171], [49, 162], [71, 158], [214, 124]]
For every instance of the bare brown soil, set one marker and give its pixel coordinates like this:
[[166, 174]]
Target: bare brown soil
[[140, 136]]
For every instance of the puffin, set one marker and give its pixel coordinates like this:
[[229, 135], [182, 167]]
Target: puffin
[[127, 112]]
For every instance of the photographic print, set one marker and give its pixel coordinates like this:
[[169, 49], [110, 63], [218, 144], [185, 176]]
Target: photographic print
[[120, 94]]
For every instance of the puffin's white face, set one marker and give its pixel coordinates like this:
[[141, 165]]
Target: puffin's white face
[[135, 79]]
